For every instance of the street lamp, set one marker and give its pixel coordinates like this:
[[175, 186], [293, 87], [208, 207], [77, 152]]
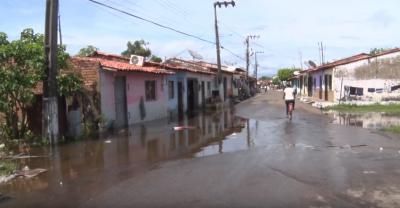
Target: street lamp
[[219, 4]]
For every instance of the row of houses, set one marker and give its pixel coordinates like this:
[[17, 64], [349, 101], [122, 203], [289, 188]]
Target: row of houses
[[125, 91], [362, 77]]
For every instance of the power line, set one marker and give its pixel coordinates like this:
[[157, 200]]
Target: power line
[[152, 22], [165, 27], [234, 54]]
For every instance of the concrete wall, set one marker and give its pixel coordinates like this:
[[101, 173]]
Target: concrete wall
[[107, 95], [201, 77], [347, 72], [172, 103], [135, 91]]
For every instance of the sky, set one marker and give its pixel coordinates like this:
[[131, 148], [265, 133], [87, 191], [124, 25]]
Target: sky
[[288, 30]]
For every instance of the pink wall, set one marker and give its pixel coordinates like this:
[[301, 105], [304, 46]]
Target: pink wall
[[136, 87]]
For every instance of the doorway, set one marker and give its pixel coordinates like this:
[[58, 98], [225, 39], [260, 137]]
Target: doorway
[[203, 93], [320, 87], [192, 94], [225, 86], [121, 119], [310, 86], [180, 99]]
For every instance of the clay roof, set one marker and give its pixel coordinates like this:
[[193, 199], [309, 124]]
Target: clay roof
[[351, 59], [125, 66], [182, 65], [109, 56], [214, 67], [344, 61], [394, 50]]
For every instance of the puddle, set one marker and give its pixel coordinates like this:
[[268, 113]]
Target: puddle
[[77, 171], [366, 120]]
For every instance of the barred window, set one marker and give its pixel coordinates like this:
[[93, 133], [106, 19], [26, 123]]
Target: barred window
[[150, 90]]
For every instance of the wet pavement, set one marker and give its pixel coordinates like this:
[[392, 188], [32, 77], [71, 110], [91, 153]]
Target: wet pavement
[[250, 156], [371, 120]]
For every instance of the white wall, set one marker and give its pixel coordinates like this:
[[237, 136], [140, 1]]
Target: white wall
[[350, 80]]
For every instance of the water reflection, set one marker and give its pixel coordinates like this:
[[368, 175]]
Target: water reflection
[[366, 120], [77, 171]]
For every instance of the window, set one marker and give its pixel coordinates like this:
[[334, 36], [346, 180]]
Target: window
[[150, 90], [171, 93]]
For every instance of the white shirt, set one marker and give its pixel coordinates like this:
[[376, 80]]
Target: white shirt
[[289, 93]]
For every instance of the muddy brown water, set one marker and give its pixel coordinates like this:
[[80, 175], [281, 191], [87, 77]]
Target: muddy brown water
[[80, 170]]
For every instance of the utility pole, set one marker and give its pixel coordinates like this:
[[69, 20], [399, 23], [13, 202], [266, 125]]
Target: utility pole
[[219, 76], [50, 128], [321, 52], [247, 42], [256, 62]]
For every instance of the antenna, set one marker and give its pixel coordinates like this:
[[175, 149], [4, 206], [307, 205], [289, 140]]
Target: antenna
[[195, 55], [312, 64]]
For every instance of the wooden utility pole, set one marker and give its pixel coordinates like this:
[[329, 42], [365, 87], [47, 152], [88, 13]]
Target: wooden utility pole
[[50, 128], [218, 47], [247, 42], [256, 63]]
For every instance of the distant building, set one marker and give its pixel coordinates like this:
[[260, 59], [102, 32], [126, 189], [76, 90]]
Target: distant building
[[360, 77]]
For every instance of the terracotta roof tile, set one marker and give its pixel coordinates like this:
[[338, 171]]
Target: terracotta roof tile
[[124, 66], [182, 65]]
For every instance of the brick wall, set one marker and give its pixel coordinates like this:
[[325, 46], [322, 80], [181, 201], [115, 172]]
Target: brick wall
[[89, 70]]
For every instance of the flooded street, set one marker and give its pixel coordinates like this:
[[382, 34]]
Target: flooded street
[[371, 120], [247, 155], [85, 168]]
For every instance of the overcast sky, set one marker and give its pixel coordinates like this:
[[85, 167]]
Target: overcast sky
[[287, 28]]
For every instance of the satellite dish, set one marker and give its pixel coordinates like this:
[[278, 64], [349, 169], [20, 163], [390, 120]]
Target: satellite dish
[[195, 55], [312, 64], [296, 73]]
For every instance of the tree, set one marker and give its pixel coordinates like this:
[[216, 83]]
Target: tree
[[155, 59], [286, 73], [3, 38], [22, 64], [87, 51], [265, 78], [137, 48], [276, 81], [375, 51]]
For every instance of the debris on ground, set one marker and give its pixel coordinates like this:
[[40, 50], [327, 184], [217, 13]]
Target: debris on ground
[[347, 146], [108, 141], [4, 179], [29, 173], [24, 156], [181, 128], [381, 149], [369, 172]]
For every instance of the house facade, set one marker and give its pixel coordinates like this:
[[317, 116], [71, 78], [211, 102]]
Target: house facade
[[128, 93], [361, 77]]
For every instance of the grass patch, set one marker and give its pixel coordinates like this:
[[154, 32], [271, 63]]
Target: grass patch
[[391, 109], [7, 167], [393, 129]]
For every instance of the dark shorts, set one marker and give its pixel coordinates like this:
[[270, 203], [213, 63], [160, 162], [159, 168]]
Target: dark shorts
[[287, 105]]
